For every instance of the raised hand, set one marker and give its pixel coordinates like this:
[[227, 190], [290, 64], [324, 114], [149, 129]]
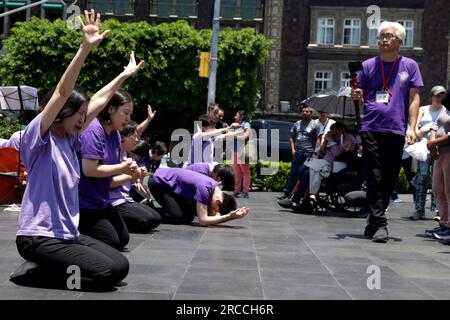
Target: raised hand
[[90, 29], [132, 68], [151, 114]]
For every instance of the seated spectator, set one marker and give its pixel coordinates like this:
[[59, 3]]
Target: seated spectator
[[338, 144]]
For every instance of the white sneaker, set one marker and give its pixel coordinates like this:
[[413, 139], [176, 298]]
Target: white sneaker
[[13, 208]]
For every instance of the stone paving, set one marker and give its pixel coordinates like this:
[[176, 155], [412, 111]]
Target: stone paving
[[271, 254]]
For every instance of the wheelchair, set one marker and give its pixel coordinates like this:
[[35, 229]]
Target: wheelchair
[[342, 191]]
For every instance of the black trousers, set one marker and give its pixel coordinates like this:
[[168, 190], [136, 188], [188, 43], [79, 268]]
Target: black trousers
[[101, 266], [175, 209], [138, 217], [105, 225], [382, 158]]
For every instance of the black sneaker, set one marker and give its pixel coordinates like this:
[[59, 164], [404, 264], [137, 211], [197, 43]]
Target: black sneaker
[[23, 273], [381, 236], [244, 195], [370, 230], [285, 203], [431, 231]]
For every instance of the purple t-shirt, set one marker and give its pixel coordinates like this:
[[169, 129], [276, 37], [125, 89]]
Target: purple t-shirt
[[50, 203], [96, 144], [201, 167], [401, 75], [186, 183], [120, 195]]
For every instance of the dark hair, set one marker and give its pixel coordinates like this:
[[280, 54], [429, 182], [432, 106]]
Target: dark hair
[[228, 204], [141, 148], [226, 175], [243, 115], [340, 125], [130, 128], [120, 97], [159, 148], [72, 105], [206, 120]]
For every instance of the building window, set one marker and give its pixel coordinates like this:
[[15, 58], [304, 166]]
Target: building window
[[176, 8], [241, 9], [322, 80], [112, 7], [372, 39], [352, 31], [325, 31], [345, 79], [409, 27]]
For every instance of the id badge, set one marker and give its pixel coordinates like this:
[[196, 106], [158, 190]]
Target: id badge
[[382, 97]]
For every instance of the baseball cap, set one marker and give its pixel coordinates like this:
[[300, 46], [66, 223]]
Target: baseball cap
[[437, 90]]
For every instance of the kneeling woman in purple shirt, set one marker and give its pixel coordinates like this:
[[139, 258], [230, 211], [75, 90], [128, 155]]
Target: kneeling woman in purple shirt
[[184, 194], [100, 161], [47, 233]]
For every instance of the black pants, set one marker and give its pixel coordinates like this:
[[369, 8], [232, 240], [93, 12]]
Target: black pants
[[105, 225], [382, 158], [138, 217], [101, 266], [175, 209]]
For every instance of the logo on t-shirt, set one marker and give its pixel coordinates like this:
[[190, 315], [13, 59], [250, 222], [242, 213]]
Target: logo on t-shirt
[[404, 76]]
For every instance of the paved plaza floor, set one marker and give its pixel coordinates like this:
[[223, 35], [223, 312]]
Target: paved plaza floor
[[271, 254]]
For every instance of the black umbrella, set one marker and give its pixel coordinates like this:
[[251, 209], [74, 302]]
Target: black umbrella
[[337, 102]]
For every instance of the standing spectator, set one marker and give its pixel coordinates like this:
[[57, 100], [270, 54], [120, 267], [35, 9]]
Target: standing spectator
[[426, 121], [241, 167], [304, 135], [389, 88], [439, 146], [324, 123]]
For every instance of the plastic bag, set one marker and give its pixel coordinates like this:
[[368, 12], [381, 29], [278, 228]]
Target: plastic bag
[[418, 150]]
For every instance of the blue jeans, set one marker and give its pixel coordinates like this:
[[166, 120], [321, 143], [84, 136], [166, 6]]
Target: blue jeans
[[421, 186], [297, 161]]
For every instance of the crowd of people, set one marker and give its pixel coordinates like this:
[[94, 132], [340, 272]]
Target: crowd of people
[[92, 180]]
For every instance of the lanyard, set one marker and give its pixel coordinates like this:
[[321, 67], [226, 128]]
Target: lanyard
[[386, 81]]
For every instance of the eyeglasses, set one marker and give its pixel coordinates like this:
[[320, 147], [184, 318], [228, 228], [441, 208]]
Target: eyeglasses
[[387, 36]]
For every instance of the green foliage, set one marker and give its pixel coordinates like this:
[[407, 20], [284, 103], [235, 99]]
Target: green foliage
[[37, 53], [402, 183], [275, 182], [8, 125]]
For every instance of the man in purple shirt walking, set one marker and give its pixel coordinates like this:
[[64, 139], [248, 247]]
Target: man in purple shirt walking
[[389, 88]]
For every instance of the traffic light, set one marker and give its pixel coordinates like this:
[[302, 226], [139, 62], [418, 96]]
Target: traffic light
[[203, 70]]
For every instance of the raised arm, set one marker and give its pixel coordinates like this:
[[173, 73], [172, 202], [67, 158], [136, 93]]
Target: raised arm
[[91, 38], [101, 97], [144, 124]]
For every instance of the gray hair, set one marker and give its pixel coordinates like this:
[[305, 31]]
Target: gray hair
[[400, 31]]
